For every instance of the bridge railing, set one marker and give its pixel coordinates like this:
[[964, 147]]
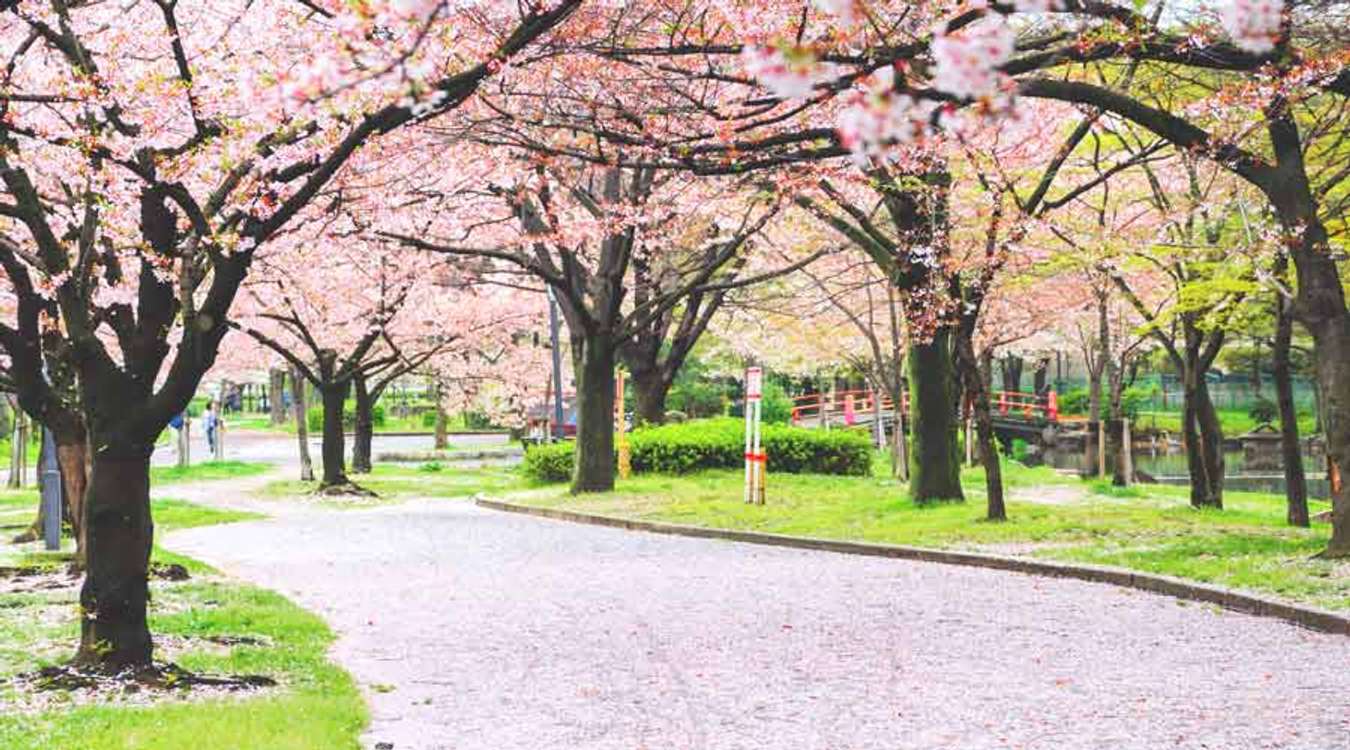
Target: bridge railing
[[854, 406]]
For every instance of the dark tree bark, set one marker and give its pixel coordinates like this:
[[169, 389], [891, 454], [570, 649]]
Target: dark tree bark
[[301, 410], [1204, 441], [649, 391], [364, 432], [333, 450], [1295, 482], [594, 358], [1012, 372], [113, 630], [972, 374], [1041, 376], [935, 462]]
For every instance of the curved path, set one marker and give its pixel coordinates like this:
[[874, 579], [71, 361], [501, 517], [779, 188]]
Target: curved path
[[473, 629]]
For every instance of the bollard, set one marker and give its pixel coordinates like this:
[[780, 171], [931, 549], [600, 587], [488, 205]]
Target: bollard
[[51, 493]]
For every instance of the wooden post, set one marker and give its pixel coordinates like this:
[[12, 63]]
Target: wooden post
[[185, 442], [900, 456], [1101, 447], [1126, 452], [621, 424]]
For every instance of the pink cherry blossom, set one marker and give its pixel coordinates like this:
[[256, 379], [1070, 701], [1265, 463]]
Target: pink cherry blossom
[[1253, 24], [966, 62], [790, 74]]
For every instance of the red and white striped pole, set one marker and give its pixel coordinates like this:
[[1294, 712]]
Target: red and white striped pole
[[754, 456]]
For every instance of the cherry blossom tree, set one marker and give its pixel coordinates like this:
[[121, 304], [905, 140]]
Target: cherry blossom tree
[[149, 151], [584, 232]]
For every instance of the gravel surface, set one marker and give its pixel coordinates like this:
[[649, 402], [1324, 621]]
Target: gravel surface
[[472, 629]]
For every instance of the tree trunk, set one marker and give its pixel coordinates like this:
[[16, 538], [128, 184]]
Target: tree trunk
[[334, 450], [972, 376], [899, 457], [1204, 442], [276, 395], [1041, 380], [1094, 421], [1115, 431], [935, 462], [1295, 483], [593, 358], [18, 451], [72, 453], [365, 428], [442, 419], [1012, 372], [650, 389], [113, 629], [1333, 371], [298, 402]]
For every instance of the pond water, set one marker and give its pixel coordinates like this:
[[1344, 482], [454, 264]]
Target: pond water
[[1169, 467]]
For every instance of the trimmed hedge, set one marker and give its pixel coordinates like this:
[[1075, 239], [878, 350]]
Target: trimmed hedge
[[551, 463], [720, 444], [314, 417]]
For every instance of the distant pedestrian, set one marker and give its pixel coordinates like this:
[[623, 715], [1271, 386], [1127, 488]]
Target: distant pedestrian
[[212, 422]]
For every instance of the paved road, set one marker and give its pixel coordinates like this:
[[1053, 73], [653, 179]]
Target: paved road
[[498, 631]]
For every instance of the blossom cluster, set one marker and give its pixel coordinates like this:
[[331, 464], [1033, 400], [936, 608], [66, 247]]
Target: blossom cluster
[[966, 63], [789, 73], [1253, 24]]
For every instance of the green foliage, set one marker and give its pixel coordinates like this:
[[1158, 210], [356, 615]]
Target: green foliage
[[476, 420], [549, 463], [314, 417], [1262, 410], [720, 444], [696, 393], [776, 407], [1019, 450], [1133, 400]]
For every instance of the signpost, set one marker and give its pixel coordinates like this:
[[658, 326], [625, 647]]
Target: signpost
[[755, 457], [621, 424], [51, 493]]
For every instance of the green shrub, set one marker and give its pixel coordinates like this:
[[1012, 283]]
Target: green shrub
[[429, 419], [314, 417], [1074, 401], [550, 462], [776, 407], [1262, 411], [720, 444], [1132, 401], [696, 398]]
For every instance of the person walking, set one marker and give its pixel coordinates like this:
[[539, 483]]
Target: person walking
[[211, 420]]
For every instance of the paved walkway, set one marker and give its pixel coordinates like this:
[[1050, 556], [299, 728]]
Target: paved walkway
[[472, 629]]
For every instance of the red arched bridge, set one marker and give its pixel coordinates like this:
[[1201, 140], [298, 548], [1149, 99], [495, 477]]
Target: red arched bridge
[[1013, 411]]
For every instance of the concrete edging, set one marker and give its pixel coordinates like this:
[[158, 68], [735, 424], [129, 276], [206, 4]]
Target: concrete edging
[[1309, 617]]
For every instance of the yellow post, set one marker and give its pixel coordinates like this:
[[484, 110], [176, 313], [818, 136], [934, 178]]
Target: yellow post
[[621, 425]]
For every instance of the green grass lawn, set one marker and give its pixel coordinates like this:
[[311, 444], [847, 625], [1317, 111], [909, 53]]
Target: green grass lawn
[[1151, 528], [399, 482], [206, 471], [315, 707]]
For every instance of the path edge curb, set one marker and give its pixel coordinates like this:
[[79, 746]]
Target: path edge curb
[[1238, 601]]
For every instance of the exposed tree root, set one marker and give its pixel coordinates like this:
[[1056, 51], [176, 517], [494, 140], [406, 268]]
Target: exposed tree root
[[164, 677], [345, 488]]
